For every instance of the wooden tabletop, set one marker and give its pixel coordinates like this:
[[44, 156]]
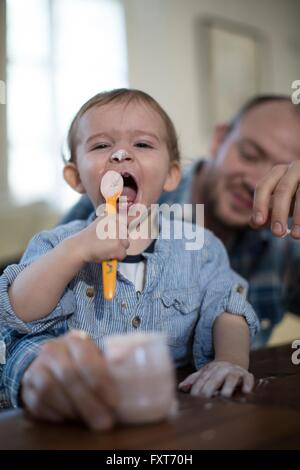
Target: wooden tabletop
[[269, 418]]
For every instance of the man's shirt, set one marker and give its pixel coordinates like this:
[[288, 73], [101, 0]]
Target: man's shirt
[[271, 265]]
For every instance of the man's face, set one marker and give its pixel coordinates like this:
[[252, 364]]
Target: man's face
[[139, 130], [267, 135]]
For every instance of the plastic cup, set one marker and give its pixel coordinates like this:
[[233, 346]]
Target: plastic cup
[[141, 365]]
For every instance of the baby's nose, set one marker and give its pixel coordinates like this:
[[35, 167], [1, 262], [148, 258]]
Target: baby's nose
[[120, 155]]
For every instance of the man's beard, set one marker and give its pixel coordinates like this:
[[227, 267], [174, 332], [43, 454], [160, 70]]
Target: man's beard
[[212, 192]]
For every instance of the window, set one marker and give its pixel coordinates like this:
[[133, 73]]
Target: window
[[60, 53]]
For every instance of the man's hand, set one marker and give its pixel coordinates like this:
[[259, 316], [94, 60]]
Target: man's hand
[[277, 196], [218, 376], [69, 380]]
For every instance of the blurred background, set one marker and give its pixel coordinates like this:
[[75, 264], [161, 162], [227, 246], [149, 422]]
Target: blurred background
[[201, 59]]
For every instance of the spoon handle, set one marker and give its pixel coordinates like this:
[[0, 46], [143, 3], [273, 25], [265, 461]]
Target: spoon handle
[[109, 267]]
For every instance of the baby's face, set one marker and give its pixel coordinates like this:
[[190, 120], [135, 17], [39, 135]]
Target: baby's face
[[135, 128]]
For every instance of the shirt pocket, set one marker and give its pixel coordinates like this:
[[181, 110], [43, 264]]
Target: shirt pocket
[[179, 313]]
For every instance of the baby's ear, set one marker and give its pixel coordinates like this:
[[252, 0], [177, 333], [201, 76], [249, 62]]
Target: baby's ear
[[173, 178], [72, 177]]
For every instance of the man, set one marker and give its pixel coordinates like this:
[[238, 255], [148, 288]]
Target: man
[[258, 146]]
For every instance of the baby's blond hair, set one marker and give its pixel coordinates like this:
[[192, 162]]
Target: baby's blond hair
[[125, 95]]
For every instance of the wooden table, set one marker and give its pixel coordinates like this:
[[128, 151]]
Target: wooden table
[[269, 418]]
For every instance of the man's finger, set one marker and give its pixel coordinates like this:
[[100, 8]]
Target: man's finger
[[296, 215], [91, 367], [33, 389], [266, 224], [39, 410], [282, 201], [88, 408], [263, 192]]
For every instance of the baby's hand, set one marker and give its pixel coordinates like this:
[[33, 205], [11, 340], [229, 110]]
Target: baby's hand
[[98, 242], [218, 376]]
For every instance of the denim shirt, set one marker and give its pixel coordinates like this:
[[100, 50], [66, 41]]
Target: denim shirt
[[270, 264], [185, 291]]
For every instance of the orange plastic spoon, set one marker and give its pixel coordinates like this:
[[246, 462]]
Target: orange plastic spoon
[[111, 189]]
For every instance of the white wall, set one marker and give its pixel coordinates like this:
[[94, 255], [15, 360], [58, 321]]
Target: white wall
[[18, 224], [163, 54], [3, 149]]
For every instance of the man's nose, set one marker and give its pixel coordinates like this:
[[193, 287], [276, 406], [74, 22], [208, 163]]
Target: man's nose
[[259, 172], [120, 155]]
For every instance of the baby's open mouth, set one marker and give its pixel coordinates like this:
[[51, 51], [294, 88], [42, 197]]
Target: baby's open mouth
[[130, 188]]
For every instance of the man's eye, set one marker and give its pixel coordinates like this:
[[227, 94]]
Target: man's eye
[[143, 145], [245, 155], [249, 157]]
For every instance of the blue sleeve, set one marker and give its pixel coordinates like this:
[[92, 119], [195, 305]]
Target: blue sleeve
[[225, 291], [21, 350], [4, 402], [39, 246]]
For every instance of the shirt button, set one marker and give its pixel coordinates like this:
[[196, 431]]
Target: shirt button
[[90, 292], [240, 289], [265, 323], [123, 304], [136, 321]]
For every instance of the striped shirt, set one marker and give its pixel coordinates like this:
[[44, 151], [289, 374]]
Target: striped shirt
[[184, 292], [269, 264]]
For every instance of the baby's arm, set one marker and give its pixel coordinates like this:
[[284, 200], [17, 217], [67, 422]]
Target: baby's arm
[[37, 290], [231, 338], [224, 336], [229, 369]]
